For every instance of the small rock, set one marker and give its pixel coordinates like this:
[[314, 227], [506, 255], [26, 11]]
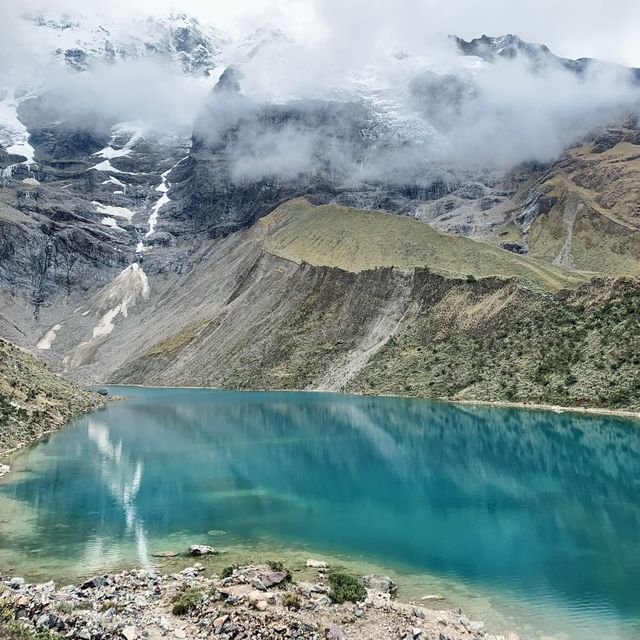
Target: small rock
[[417, 632], [43, 621], [93, 583], [201, 550], [274, 578], [432, 597], [316, 564], [165, 554], [16, 583], [334, 632], [164, 624], [179, 633], [261, 605], [218, 622], [83, 634], [102, 392], [129, 633], [258, 584]]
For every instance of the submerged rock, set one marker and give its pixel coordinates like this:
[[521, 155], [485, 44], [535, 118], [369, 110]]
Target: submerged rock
[[317, 564]]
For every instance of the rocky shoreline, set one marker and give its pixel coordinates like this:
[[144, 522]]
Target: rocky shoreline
[[251, 602]]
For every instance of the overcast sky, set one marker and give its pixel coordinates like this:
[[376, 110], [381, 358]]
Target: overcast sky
[[607, 29]]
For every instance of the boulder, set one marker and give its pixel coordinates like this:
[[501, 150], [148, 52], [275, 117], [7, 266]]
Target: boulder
[[102, 392], [201, 550]]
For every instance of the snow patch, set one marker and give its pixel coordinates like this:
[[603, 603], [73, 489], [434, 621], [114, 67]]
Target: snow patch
[[110, 152], [111, 211], [106, 166], [111, 222], [47, 339], [115, 181], [32, 182]]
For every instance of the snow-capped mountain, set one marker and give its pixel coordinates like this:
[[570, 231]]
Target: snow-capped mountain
[[179, 41], [132, 145]]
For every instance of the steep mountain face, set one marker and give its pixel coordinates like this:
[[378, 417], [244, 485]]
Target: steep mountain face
[[247, 248]]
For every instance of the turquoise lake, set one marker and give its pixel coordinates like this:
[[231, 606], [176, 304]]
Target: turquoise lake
[[527, 519]]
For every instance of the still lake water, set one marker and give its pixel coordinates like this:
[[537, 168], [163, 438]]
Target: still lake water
[[529, 519]]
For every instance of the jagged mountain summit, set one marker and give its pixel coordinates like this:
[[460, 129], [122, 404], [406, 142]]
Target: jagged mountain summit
[[492, 48], [180, 206]]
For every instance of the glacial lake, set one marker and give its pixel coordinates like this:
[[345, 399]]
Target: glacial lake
[[527, 519]]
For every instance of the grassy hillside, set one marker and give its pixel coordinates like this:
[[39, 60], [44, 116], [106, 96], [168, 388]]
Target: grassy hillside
[[33, 400], [355, 240], [578, 349], [580, 234]]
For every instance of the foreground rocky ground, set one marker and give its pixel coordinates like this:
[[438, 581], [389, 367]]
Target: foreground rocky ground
[[255, 601]]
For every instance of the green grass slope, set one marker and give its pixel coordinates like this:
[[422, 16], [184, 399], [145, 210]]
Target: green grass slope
[[356, 240]]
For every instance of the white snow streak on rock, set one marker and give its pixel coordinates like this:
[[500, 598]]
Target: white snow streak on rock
[[109, 210], [163, 187], [115, 181], [47, 339]]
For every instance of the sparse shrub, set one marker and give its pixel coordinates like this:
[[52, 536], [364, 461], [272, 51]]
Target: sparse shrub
[[345, 588], [291, 601], [185, 601], [227, 572]]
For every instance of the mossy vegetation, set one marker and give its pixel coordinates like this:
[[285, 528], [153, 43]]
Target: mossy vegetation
[[345, 588], [33, 399], [178, 341]]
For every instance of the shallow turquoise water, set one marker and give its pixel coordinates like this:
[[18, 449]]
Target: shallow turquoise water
[[538, 512]]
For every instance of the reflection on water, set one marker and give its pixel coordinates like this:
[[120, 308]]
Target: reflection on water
[[526, 506], [122, 475]]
